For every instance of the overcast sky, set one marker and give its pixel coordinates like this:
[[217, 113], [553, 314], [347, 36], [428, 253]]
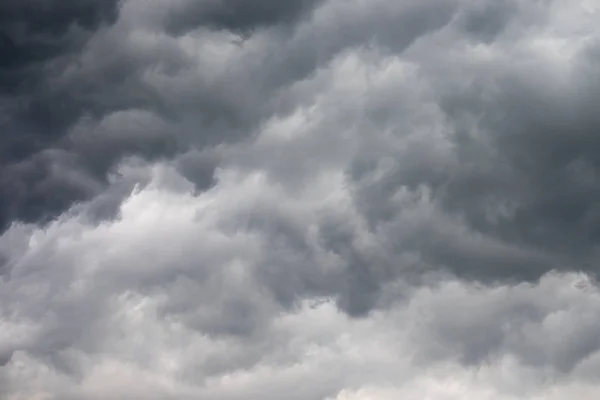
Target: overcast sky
[[299, 199]]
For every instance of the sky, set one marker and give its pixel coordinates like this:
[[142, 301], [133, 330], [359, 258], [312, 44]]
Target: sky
[[300, 200]]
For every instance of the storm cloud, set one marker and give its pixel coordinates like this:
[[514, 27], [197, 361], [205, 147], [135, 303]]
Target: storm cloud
[[324, 199]]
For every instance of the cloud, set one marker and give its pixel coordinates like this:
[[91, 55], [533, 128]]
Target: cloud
[[170, 295], [34, 32], [38, 43], [309, 200], [236, 15], [130, 66]]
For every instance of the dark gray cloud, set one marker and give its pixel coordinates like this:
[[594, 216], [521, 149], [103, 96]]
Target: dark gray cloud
[[35, 32], [517, 166], [486, 20], [236, 15], [39, 41], [98, 69]]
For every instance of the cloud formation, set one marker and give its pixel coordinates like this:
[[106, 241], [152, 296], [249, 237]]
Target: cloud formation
[[332, 199]]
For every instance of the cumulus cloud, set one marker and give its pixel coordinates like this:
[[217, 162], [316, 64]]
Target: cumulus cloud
[[331, 199]]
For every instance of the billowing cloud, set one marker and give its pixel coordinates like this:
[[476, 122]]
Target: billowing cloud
[[332, 199], [186, 293]]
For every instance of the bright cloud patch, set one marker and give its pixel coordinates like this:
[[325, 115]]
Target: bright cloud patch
[[169, 301]]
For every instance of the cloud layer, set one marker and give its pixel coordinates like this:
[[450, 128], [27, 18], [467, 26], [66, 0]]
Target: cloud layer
[[331, 200]]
